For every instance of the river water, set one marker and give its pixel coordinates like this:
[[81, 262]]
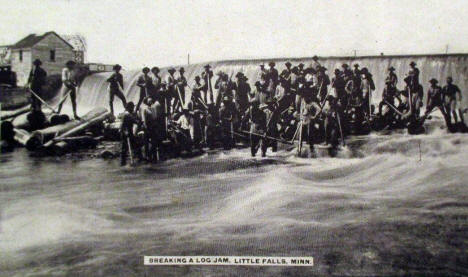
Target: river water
[[387, 205]]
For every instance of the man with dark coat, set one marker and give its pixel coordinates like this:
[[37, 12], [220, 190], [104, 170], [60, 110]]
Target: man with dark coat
[[144, 82], [272, 78], [206, 76], [36, 80], [257, 120], [155, 88], [392, 77], [172, 94], [129, 120], [452, 98], [242, 90], [227, 117]]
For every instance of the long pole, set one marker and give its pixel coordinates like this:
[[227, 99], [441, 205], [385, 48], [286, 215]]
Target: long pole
[[42, 101], [341, 130], [130, 151]]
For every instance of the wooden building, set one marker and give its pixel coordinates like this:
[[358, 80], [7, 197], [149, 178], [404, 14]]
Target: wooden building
[[50, 48]]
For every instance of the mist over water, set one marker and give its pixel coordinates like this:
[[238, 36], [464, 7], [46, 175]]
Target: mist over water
[[389, 204]]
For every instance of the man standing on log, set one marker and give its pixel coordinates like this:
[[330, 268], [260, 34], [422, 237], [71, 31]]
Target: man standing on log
[[144, 82], [37, 79], [68, 87], [434, 98], [414, 74], [315, 63], [172, 90], [116, 87], [180, 90], [155, 91], [257, 120], [207, 87], [272, 78], [392, 77]]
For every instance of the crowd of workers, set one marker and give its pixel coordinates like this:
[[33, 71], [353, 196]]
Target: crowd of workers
[[299, 103]]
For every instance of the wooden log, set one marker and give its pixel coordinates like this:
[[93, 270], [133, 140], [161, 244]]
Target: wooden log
[[79, 128], [57, 130], [4, 115], [31, 140]]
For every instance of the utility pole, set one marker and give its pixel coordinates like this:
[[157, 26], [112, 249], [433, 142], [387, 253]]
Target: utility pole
[[188, 59], [446, 49], [355, 51]]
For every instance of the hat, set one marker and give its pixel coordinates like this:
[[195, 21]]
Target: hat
[[344, 65], [239, 75], [337, 70], [391, 68], [70, 63], [364, 70], [315, 58], [117, 67], [171, 70], [37, 62], [207, 66], [412, 63], [433, 81], [197, 77], [146, 69], [271, 64], [356, 65], [155, 68], [262, 65], [181, 69], [287, 64], [449, 78], [300, 65], [257, 83]]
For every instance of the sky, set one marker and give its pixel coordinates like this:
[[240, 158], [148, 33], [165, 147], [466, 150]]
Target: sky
[[138, 33]]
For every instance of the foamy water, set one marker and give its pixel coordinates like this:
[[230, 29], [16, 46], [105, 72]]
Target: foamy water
[[389, 204]]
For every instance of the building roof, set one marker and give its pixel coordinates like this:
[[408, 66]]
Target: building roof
[[32, 39]]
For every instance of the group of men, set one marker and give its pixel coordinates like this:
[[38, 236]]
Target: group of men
[[37, 80], [300, 102]]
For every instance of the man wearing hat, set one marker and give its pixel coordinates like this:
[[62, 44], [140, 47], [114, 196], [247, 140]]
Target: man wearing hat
[[225, 87], [414, 74], [323, 81], [241, 91], [315, 63], [346, 69], [338, 85], [37, 79], [228, 118], [263, 72], [286, 74], [392, 77], [171, 83], [180, 87], [301, 69], [156, 80], [434, 98], [206, 76], [357, 75], [68, 87], [129, 120], [257, 120], [144, 82], [116, 87], [272, 78], [452, 98], [388, 96]]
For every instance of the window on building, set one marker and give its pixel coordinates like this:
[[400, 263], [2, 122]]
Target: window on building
[[52, 55], [21, 55]]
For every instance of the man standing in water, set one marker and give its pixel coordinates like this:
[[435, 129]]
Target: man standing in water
[[392, 77], [68, 86], [452, 98], [116, 88], [129, 119], [434, 98], [37, 78]]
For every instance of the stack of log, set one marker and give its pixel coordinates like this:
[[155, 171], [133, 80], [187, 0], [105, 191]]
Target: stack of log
[[49, 132]]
